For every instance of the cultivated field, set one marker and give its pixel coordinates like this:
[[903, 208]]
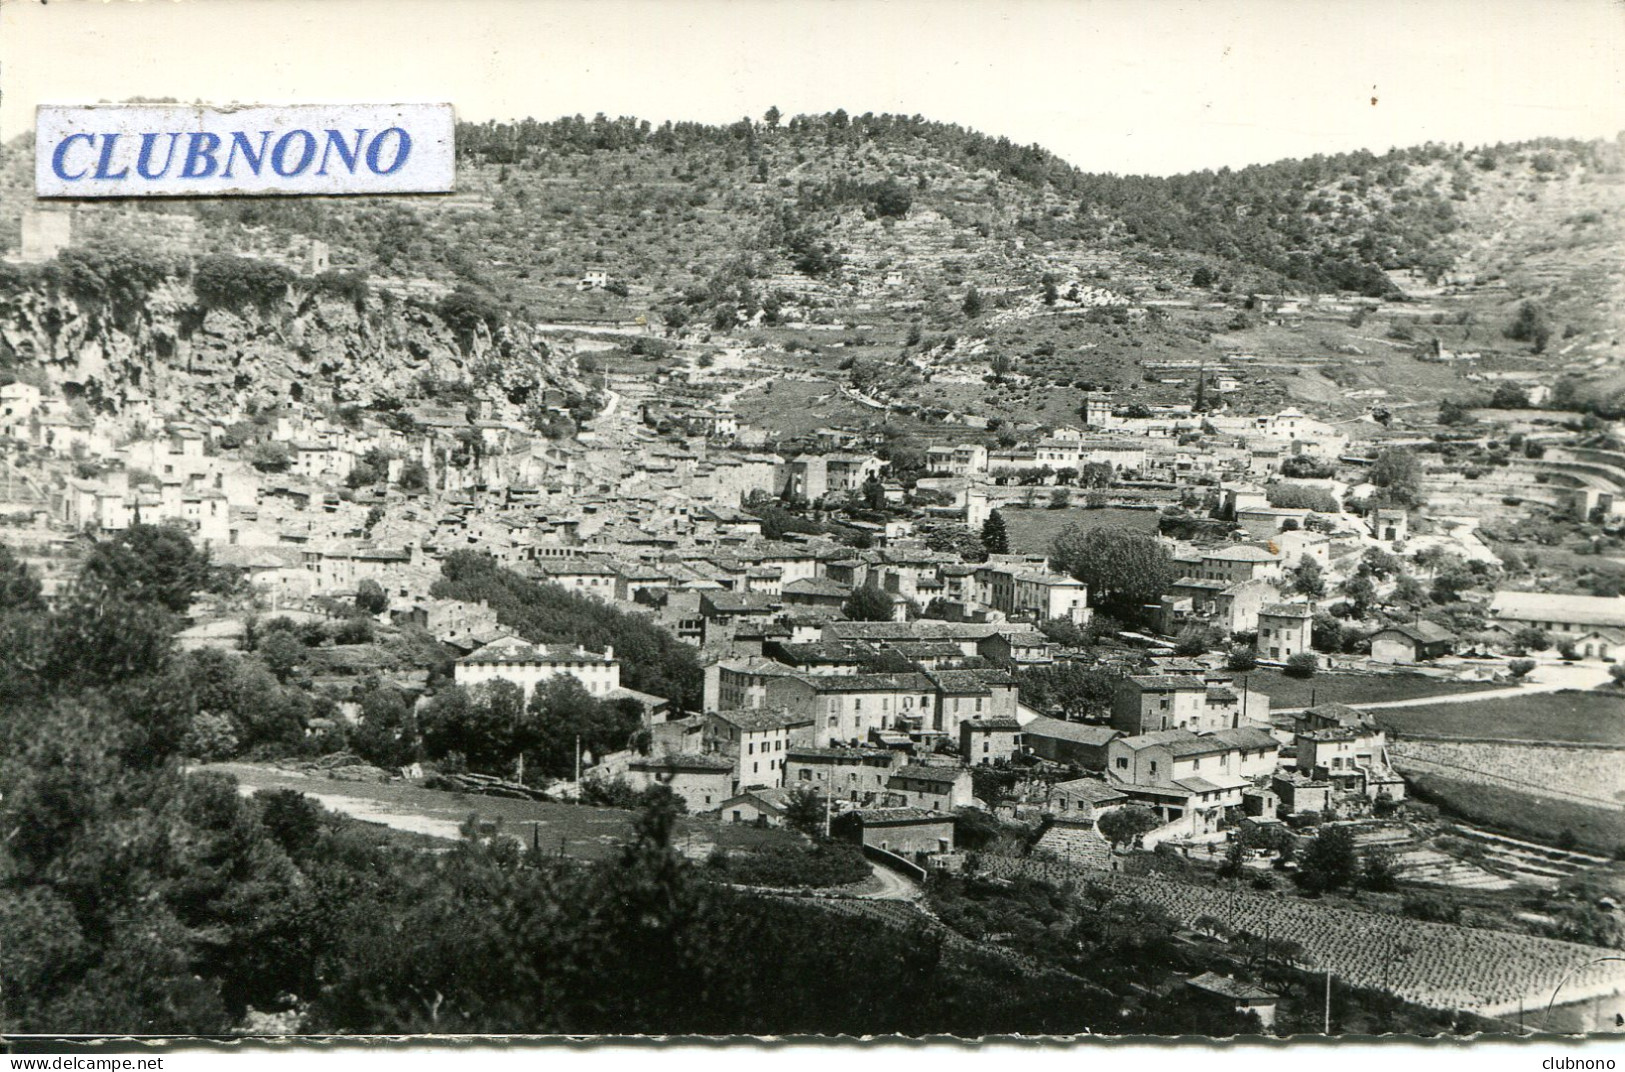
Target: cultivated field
[[1289, 692], [1032, 531], [575, 830], [1540, 818], [1432, 964], [1584, 717]]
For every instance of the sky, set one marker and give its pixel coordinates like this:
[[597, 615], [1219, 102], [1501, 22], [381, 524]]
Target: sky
[[1127, 86]]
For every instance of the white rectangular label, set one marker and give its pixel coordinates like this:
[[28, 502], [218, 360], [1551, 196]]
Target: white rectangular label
[[169, 150]]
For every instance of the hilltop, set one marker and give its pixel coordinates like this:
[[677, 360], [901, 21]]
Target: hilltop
[[951, 272]]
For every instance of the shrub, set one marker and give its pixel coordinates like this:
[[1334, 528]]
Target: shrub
[[269, 457], [362, 475], [1302, 665], [1529, 638], [1521, 667], [370, 597], [1124, 826], [828, 863], [353, 631], [464, 310], [346, 286], [1301, 497], [414, 477]]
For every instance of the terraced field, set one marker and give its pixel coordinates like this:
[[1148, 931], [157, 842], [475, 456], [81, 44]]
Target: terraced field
[[1491, 973]]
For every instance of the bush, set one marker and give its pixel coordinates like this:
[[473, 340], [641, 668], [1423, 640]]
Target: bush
[[1302, 665], [362, 475], [353, 631], [828, 863], [370, 597], [1301, 497], [1528, 638], [414, 477], [1521, 667], [346, 286], [465, 310], [617, 794]]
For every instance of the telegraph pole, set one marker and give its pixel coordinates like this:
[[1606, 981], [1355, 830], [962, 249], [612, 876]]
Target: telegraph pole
[[1327, 1030]]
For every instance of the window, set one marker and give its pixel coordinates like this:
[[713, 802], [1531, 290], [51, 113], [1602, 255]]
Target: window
[[1122, 763], [754, 767], [804, 774], [857, 705], [1196, 764]]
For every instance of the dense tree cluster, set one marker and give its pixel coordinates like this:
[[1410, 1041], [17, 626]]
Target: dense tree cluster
[[491, 729], [652, 660], [1073, 688], [1124, 569], [224, 281]]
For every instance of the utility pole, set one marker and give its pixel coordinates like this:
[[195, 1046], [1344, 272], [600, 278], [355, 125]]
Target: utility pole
[[578, 763], [1328, 1024], [829, 803]]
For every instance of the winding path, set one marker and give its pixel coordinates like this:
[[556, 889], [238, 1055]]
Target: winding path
[[893, 887]]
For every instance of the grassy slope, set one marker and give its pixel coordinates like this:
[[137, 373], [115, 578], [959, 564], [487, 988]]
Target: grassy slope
[[665, 222], [1588, 717], [1522, 815]]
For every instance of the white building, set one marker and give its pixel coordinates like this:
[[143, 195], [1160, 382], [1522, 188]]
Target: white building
[[1284, 630], [529, 665]]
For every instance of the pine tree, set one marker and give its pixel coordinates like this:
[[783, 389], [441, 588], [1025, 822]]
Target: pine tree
[[994, 536]]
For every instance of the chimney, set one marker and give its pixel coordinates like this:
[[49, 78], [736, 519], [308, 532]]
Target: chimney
[[609, 652]]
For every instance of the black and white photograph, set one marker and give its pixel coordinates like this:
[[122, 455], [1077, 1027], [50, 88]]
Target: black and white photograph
[[832, 518]]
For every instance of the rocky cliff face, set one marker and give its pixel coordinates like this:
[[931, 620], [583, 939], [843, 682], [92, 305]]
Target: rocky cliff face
[[310, 347]]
